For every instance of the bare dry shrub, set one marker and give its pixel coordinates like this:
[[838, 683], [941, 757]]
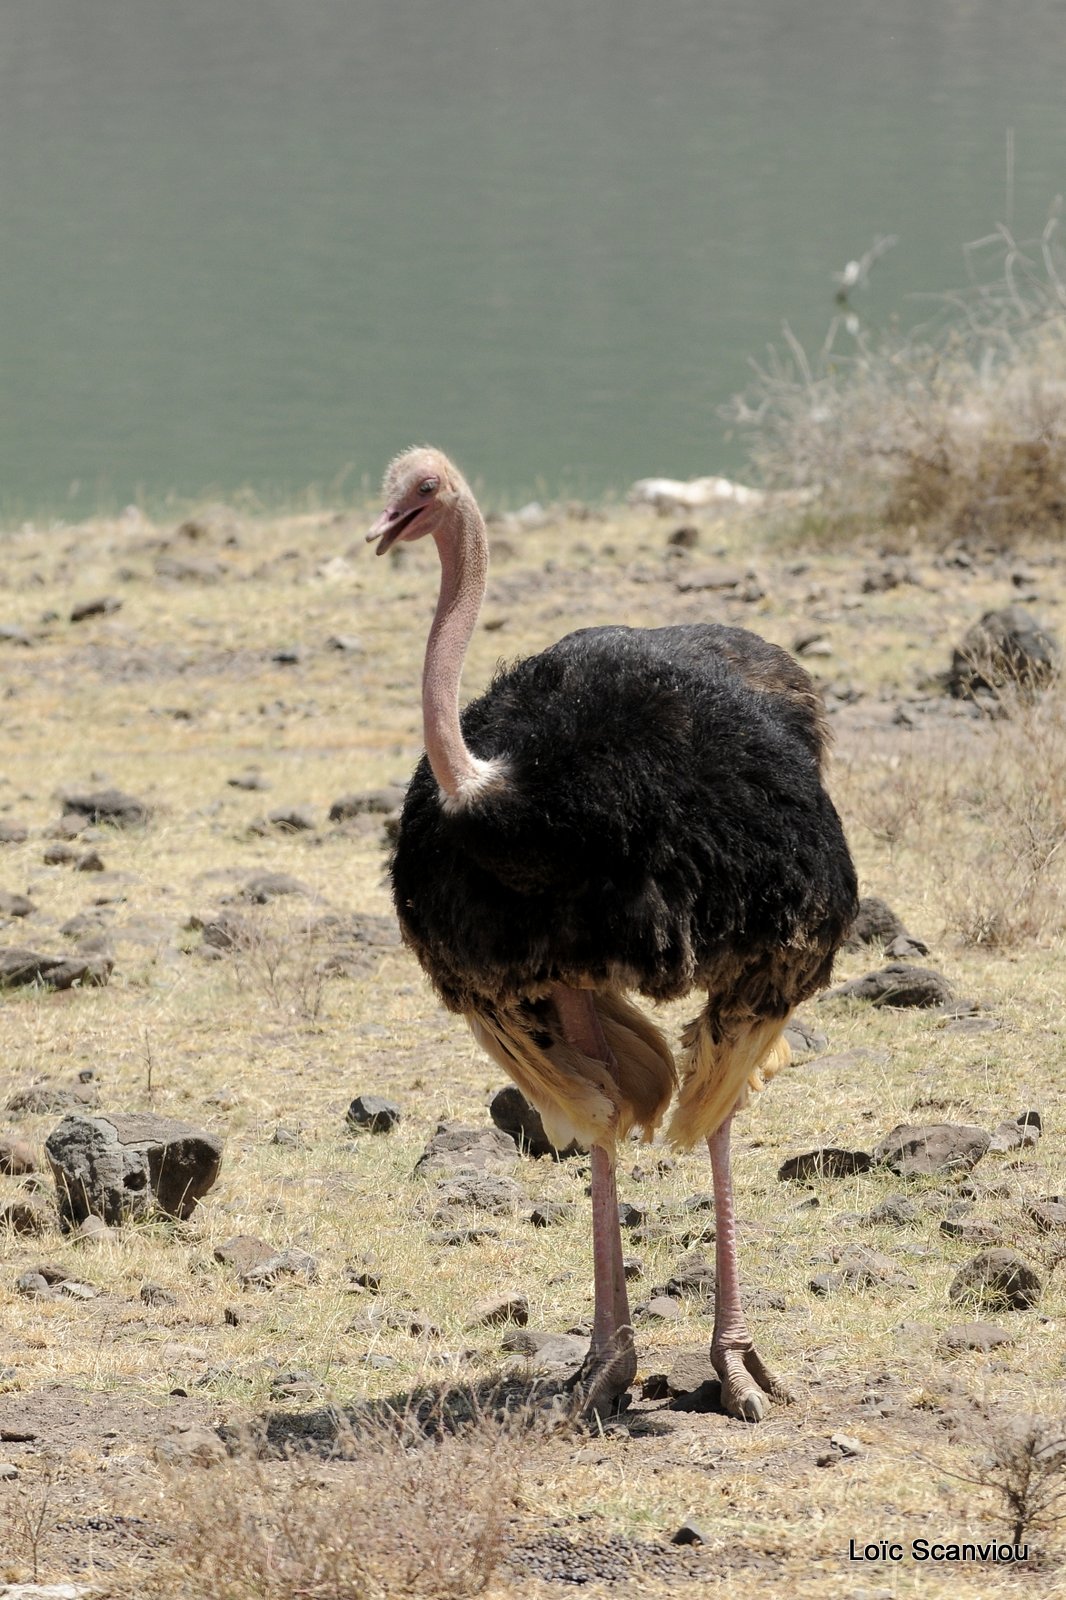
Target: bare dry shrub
[[280, 957], [957, 427], [397, 1516], [1024, 1464]]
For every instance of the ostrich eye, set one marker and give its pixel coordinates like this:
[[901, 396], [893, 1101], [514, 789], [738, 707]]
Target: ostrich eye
[[428, 485]]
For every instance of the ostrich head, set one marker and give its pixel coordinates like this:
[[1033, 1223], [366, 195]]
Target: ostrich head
[[421, 489]]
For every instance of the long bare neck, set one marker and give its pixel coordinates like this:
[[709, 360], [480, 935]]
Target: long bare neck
[[464, 560]]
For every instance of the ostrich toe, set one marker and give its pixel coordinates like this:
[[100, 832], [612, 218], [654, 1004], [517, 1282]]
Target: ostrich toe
[[746, 1383], [601, 1381]]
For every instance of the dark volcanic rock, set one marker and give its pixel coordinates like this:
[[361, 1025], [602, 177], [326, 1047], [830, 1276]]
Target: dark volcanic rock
[[1006, 648], [875, 923], [101, 607], [513, 1114], [127, 1164], [498, 1195], [293, 819], [36, 1099], [15, 905], [455, 1146], [371, 802], [829, 1162], [19, 967], [972, 1336], [373, 1112], [898, 985], [998, 1278], [109, 805], [937, 1147]]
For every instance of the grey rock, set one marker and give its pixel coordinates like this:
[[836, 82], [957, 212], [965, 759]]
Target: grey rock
[[1049, 1216], [37, 1099], [373, 1112], [690, 1370], [15, 905], [895, 1212], [1014, 1136], [829, 1162], [898, 985], [264, 886], [154, 1294], [250, 781], [293, 819], [16, 1156], [243, 1252], [33, 1284], [452, 1238], [1007, 648], [126, 1165], [660, 1308], [970, 1230], [998, 1278], [108, 805], [91, 861], [690, 1532], [911, 1149], [692, 1276], [875, 923], [972, 1336], [493, 1193], [499, 1309], [27, 1215], [13, 832], [103, 606], [370, 802], [193, 1446], [513, 1115], [551, 1212], [454, 1146], [20, 968], [805, 1038]]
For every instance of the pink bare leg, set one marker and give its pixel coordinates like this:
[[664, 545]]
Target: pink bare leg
[[744, 1377], [611, 1364]]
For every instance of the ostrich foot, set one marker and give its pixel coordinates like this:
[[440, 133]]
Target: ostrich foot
[[603, 1377], [746, 1382]]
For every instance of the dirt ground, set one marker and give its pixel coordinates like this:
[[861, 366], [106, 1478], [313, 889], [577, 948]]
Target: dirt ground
[[278, 653]]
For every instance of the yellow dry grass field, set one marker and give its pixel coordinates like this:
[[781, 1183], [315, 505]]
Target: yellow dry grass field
[[278, 647]]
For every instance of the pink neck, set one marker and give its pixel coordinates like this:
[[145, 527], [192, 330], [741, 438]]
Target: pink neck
[[464, 561]]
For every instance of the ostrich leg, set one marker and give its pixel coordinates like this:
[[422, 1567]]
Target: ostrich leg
[[745, 1378], [611, 1364]]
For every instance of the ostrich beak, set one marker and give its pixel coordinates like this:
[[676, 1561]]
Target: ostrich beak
[[390, 526]]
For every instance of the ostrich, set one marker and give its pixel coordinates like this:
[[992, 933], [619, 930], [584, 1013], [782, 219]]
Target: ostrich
[[632, 809]]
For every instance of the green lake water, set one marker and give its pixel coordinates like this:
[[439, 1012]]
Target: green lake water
[[267, 243]]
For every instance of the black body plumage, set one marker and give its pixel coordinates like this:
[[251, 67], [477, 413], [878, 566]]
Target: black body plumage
[[663, 823]]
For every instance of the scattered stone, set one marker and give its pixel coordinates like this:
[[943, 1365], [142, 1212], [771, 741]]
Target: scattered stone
[[859, 1268], [660, 1308], [9, 634], [92, 1230], [498, 1309], [550, 1213], [1048, 1215], [702, 580], [193, 1446], [293, 819], [896, 1212], [91, 861], [374, 1113], [33, 1284], [689, 1532], [982, 1336], [29, 1215], [345, 643], [690, 1370], [1007, 648], [250, 781], [15, 905], [629, 1215], [102, 607], [77, 1291], [970, 1230], [454, 1146], [1016, 1135], [264, 886], [687, 537], [16, 1156], [13, 832], [513, 1115], [898, 985], [938, 1147], [37, 1099], [452, 1238], [288, 655], [805, 1037], [495, 1194], [59, 855], [875, 923], [8, 1473], [292, 1262], [633, 1268], [543, 1349], [694, 1276], [370, 802], [126, 1165], [20, 968], [154, 1294], [829, 1162], [243, 1252], [109, 806], [998, 1278]]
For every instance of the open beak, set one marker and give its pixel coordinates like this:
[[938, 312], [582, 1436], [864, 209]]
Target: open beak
[[390, 526]]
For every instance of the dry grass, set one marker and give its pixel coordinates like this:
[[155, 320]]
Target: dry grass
[[956, 822], [955, 429]]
